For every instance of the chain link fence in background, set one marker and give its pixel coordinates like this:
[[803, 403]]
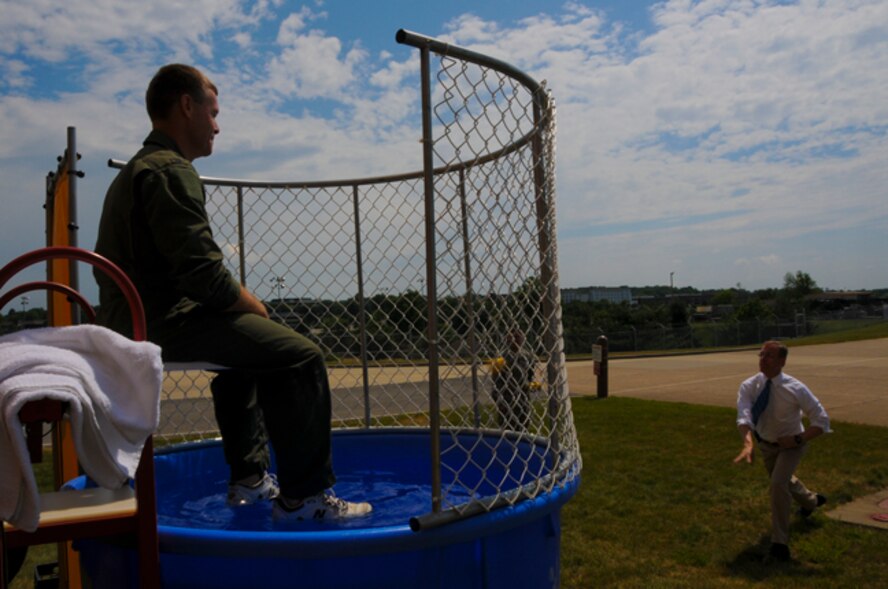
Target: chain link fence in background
[[434, 295]]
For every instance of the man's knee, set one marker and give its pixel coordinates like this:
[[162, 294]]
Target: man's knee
[[305, 353]]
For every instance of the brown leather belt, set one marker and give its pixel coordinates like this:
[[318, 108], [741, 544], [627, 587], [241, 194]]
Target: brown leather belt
[[763, 440]]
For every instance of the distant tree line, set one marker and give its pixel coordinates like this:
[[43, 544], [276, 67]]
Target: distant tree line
[[14, 319], [394, 325], [667, 318], [670, 307]]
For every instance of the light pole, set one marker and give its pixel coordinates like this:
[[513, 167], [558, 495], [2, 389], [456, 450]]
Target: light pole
[[671, 288], [279, 282], [25, 300]]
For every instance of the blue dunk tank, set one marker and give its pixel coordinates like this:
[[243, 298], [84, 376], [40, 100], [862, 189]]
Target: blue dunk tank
[[435, 297]]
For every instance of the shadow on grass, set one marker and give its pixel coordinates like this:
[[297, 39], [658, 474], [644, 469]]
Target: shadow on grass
[[753, 564], [15, 558]]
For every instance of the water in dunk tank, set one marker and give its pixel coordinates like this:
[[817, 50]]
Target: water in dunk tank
[[451, 408]]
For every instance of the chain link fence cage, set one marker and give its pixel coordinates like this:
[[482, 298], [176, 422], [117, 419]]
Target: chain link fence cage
[[433, 294]]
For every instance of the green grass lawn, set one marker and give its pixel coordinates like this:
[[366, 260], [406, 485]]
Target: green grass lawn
[[661, 503], [873, 331], [37, 554]]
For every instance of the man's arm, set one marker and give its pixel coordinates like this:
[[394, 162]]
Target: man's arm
[[744, 420], [807, 435], [814, 411], [248, 303], [174, 210]]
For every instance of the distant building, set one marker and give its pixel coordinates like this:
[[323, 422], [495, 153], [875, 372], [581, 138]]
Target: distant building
[[592, 294], [854, 304], [693, 299], [712, 312], [846, 297]]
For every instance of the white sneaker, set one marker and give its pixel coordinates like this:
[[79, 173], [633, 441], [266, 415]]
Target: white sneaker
[[323, 506], [266, 488]]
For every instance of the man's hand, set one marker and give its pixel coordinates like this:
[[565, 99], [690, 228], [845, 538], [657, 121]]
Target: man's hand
[[248, 303], [792, 442], [747, 454]]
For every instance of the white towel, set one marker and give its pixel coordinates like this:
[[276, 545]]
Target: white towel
[[112, 385]]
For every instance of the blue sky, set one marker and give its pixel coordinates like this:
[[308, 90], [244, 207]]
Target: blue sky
[[724, 141]]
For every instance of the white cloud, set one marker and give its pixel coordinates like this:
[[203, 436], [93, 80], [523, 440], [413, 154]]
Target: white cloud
[[50, 30], [768, 260], [310, 63], [14, 75], [242, 39], [311, 66], [536, 42], [292, 27]]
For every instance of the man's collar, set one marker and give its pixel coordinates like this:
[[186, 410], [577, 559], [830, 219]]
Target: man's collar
[[163, 140]]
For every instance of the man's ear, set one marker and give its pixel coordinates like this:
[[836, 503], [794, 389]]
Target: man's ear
[[186, 105]]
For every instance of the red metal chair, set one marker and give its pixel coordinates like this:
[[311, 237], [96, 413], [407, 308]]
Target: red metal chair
[[71, 515]]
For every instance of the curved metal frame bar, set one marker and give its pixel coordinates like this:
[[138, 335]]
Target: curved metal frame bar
[[140, 331], [54, 286], [419, 41]]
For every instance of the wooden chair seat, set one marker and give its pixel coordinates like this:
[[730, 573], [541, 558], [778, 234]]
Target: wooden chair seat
[[186, 366], [73, 507]]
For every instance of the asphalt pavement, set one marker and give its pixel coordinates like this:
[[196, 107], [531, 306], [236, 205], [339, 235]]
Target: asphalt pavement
[[850, 379]]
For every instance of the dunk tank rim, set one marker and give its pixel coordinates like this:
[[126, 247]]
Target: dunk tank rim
[[510, 547]]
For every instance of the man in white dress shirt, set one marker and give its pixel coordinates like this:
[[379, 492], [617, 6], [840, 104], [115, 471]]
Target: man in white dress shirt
[[770, 406]]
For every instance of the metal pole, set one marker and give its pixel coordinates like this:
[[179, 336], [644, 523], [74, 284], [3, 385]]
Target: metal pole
[[73, 174], [240, 236], [602, 367], [542, 116], [431, 279], [362, 308], [470, 298]]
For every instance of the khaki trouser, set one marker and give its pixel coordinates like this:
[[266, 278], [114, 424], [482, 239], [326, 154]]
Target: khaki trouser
[[781, 464]]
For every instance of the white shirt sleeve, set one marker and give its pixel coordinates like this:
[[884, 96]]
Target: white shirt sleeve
[[811, 407], [746, 396]]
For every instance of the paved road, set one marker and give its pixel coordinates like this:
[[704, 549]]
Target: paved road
[[850, 379]]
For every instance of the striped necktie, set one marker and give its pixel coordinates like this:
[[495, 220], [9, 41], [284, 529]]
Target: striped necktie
[[761, 403]]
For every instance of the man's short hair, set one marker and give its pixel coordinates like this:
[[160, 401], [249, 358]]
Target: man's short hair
[[170, 83], [782, 350]]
